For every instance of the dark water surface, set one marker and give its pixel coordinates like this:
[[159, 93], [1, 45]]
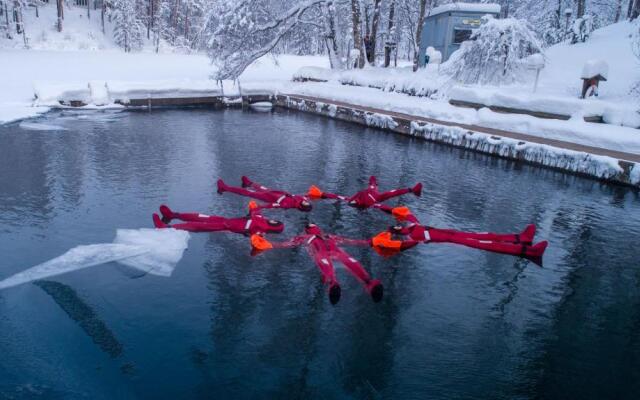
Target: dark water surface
[[455, 323]]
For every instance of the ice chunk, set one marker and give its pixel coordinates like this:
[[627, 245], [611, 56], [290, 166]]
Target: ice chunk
[[75, 259], [164, 248], [33, 126], [154, 251], [262, 106], [594, 68]]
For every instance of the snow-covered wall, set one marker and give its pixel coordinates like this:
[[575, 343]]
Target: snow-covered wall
[[596, 166]]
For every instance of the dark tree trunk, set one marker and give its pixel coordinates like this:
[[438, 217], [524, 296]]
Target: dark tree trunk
[[60, 15], [186, 24], [634, 10], [374, 30], [423, 8], [618, 11], [102, 13], [581, 8], [390, 36], [357, 33]]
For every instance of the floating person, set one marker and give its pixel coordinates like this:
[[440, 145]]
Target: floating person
[[324, 249], [369, 197], [248, 225], [272, 198], [517, 244]]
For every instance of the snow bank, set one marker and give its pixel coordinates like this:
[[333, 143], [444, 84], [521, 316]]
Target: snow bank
[[425, 82], [53, 93], [149, 250], [124, 91], [527, 101], [611, 112], [487, 8], [313, 74], [575, 130]]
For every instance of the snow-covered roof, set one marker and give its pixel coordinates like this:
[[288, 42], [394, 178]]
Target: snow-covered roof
[[487, 8], [593, 68]]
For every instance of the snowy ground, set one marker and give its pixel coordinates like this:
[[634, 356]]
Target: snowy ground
[[559, 84], [82, 53]]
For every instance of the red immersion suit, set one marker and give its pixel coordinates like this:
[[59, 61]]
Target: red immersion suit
[[272, 198], [325, 249], [517, 244], [251, 224], [369, 197]]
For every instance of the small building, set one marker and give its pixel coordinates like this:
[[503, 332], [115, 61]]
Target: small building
[[447, 26]]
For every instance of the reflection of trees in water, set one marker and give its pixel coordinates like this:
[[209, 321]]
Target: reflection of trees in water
[[26, 188], [589, 346], [84, 315]]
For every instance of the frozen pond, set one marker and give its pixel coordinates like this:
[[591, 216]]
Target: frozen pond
[[454, 323]]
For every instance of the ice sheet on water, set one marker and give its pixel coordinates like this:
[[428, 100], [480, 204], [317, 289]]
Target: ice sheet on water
[[164, 249], [262, 106], [36, 126], [149, 250]]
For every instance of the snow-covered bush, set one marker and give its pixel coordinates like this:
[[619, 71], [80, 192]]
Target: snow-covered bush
[[128, 28], [495, 52], [581, 29]]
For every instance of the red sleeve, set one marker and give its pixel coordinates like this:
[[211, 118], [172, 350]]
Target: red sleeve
[[350, 242], [293, 242]]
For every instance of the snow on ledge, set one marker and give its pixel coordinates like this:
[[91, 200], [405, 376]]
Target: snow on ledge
[[487, 8], [101, 93], [611, 113], [599, 166], [124, 91]]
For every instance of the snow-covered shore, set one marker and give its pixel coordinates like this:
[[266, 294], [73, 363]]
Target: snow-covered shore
[[22, 70], [575, 130]]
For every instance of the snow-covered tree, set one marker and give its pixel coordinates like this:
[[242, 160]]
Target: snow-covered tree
[[581, 29], [5, 30], [424, 7], [634, 9], [636, 50], [128, 28], [495, 53], [246, 30]]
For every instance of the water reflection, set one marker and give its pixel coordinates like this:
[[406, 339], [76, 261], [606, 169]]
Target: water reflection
[[454, 323]]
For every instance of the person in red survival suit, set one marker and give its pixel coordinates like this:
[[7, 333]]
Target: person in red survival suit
[[324, 249], [248, 225], [272, 198], [369, 197], [517, 244]]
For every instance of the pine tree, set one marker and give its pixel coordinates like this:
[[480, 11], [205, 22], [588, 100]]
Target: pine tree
[[128, 28]]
